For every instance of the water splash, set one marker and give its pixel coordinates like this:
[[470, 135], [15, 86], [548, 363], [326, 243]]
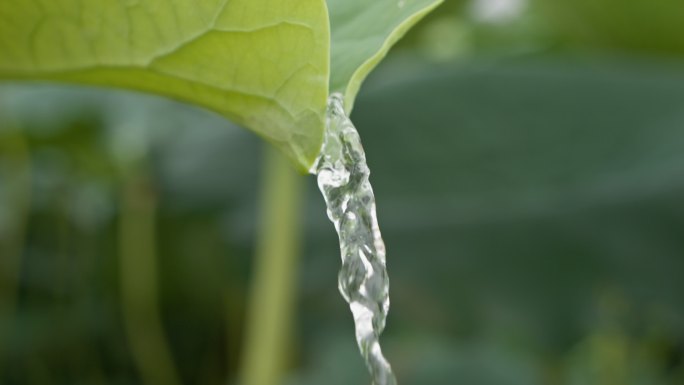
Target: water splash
[[343, 180]]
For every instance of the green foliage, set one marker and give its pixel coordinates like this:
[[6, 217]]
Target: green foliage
[[261, 63], [635, 26], [362, 33], [264, 64]]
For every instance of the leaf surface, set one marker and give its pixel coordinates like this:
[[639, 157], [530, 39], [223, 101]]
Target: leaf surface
[[262, 63], [267, 65], [362, 33]]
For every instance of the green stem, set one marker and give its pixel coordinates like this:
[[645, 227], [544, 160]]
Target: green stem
[[16, 151], [12, 247], [139, 282], [272, 297]]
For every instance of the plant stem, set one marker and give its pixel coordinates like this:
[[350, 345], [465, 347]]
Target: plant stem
[[272, 296], [139, 283], [12, 243]]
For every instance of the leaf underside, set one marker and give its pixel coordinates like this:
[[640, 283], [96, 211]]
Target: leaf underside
[[261, 63], [362, 33], [267, 65]]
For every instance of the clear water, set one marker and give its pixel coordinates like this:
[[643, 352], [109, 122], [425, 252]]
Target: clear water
[[343, 179]]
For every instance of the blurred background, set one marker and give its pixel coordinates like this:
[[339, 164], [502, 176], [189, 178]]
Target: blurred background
[[528, 164]]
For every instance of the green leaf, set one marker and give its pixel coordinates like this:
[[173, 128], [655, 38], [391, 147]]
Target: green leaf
[[262, 63], [362, 33]]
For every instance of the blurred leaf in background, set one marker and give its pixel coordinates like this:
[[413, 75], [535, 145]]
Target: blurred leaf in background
[[632, 27]]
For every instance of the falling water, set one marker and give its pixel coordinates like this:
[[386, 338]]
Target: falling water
[[343, 180]]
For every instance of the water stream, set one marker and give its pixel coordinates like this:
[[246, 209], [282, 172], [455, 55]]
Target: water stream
[[343, 179]]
